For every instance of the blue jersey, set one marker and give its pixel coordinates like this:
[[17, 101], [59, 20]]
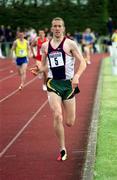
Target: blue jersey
[[88, 38]]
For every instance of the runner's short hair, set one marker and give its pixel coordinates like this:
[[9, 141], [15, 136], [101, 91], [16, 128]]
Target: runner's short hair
[[22, 30], [58, 19]]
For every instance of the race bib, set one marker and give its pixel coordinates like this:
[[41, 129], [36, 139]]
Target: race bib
[[56, 59], [22, 52]]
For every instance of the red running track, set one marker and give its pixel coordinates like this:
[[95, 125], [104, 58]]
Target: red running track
[[28, 145]]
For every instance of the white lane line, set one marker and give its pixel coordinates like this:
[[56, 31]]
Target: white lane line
[[11, 94], [22, 129], [10, 76]]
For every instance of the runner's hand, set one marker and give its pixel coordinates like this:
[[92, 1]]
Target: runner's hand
[[34, 70], [75, 81]]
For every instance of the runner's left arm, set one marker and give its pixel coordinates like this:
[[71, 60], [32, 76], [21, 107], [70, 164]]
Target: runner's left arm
[[82, 66]]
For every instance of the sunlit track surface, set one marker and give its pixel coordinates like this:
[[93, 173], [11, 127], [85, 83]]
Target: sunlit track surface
[[29, 147]]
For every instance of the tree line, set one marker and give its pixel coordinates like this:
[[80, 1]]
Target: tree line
[[77, 16]]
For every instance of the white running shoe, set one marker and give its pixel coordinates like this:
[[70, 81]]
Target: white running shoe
[[20, 87], [62, 155]]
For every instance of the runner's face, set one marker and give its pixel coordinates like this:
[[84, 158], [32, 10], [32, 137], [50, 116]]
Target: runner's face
[[21, 35], [57, 28], [41, 34]]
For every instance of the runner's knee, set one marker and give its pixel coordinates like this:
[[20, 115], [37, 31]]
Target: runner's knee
[[22, 73], [70, 122], [57, 117]]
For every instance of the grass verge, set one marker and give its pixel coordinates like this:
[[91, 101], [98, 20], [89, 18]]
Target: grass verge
[[106, 151]]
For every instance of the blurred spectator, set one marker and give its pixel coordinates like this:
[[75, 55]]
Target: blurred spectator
[[1, 56], [31, 35], [2, 39], [9, 34], [17, 32], [68, 35], [114, 52], [47, 31], [114, 36], [110, 26], [2, 32], [78, 37], [95, 37]]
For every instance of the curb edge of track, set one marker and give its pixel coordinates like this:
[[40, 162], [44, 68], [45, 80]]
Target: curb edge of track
[[88, 169]]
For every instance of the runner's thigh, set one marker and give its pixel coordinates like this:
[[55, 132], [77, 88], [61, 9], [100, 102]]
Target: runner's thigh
[[54, 101], [70, 109]]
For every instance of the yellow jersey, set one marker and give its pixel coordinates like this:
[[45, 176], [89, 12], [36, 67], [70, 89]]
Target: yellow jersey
[[114, 37], [21, 48]]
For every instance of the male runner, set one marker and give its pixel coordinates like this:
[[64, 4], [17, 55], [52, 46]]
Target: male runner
[[59, 55], [21, 49]]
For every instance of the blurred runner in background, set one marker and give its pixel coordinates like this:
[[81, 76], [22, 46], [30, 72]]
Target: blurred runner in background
[[21, 50], [36, 49]]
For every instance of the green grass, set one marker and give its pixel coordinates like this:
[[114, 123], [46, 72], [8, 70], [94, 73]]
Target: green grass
[[106, 154]]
